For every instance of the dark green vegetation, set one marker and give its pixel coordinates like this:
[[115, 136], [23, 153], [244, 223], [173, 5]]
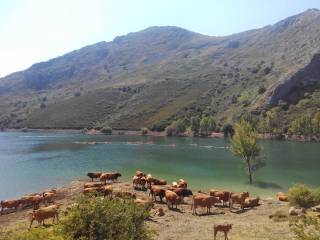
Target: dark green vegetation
[[244, 144], [154, 77], [302, 196], [95, 219]]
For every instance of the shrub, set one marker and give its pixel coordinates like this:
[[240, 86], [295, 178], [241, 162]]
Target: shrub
[[106, 218], [144, 131], [303, 196], [279, 216], [176, 128], [169, 131], [106, 130], [40, 233], [261, 90], [305, 227]]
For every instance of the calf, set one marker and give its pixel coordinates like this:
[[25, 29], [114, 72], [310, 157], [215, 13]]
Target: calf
[[282, 197], [181, 192], [31, 200], [172, 198], [42, 214], [9, 204], [225, 228], [94, 175], [238, 198]]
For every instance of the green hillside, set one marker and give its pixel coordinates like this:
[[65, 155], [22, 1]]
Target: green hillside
[[163, 73]]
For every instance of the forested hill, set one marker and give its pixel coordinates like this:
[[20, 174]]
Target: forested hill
[[153, 77]]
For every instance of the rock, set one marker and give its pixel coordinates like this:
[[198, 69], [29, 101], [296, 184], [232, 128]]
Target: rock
[[294, 211]]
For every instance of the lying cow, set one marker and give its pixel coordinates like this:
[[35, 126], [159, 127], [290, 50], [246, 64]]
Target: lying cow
[[9, 204], [42, 214], [282, 197], [143, 202], [105, 190], [172, 198], [251, 202], [225, 228], [238, 198], [125, 194], [94, 175], [223, 196], [109, 177], [156, 191], [93, 184], [204, 201]]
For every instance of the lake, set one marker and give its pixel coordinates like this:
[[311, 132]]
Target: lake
[[32, 162]]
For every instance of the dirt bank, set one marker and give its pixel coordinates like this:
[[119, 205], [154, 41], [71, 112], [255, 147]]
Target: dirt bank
[[181, 224]]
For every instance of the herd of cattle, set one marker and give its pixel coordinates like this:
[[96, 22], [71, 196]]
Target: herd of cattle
[[159, 190], [174, 194]]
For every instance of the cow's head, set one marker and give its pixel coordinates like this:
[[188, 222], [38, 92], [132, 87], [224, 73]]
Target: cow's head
[[118, 174], [187, 192]]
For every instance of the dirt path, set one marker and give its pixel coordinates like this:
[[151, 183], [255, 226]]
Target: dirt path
[[251, 224]]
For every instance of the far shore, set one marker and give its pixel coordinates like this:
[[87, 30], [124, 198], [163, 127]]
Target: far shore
[[265, 136]]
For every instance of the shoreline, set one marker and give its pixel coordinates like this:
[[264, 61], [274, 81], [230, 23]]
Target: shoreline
[[262, 136]]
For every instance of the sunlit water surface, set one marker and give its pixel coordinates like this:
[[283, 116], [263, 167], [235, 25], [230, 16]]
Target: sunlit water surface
[[35, 161]]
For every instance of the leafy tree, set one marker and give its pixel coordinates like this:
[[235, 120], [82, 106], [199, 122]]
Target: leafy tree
[[316, 124], [302, 126], [207, 124], [244, 144], [176, 128], [303, 196], [195, 124], [270, 122], [144, 131]]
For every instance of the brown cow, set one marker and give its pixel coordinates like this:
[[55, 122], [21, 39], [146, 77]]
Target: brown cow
[[9, 204], [182, 183], [223, 196], [42, 214], [94, 175], [251, 202], [225, 228], [49, 197], [143, 202], [33, 200], [140, 174], [125, 194], [106, 190], [172, 198], [238, 198], [93, 184], [153, 181], [109, 177], [157, 191], [139, 182], [181, 192], [282, 197], [203, 200]]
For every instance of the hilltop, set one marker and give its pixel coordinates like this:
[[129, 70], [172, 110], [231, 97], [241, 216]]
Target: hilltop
[[152, 77]]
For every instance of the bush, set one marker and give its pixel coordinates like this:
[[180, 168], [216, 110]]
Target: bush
[[305, 227], [144, 131], [176, 128], [303, 196], [106, 218], [40, 233], [261, 90], [106, 130]]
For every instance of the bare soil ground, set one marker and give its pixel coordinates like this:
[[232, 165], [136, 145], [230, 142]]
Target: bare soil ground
[[181, 224]]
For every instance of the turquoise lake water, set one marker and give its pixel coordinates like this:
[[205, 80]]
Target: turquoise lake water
[[35, 161]]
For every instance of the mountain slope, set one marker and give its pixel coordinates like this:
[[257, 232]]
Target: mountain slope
[[156, 75]]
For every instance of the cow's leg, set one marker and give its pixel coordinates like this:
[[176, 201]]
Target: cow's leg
[[32, 219], [225, 235], [215, 234], [43, 223]]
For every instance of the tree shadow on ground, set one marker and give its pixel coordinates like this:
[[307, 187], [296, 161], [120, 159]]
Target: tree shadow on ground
[[265, 185]]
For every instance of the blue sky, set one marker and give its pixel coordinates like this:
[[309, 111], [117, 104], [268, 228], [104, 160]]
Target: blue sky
[[37, 30]]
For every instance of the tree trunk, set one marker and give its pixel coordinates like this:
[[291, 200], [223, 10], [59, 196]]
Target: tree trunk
[[249, 171]]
